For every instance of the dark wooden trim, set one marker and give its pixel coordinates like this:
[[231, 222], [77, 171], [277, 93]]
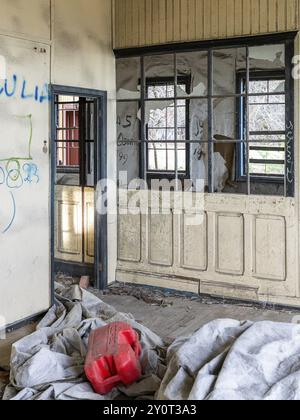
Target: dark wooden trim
[[205, 45]]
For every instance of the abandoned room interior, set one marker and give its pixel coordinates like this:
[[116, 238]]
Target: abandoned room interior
[[149, 188]]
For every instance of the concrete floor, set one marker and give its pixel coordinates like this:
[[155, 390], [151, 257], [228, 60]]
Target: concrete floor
[[5, 345], [178, 316], [5, 351], [184, 316]]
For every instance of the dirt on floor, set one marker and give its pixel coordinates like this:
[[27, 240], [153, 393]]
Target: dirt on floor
[[4, 379], [169, 314]]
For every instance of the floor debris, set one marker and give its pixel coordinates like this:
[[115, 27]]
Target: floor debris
[[63, 335], [4, 380], [152, 297], [225, 359], [49, 364], [84, 282]]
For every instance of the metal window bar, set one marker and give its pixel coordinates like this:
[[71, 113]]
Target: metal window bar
[[209, 97], [247, 138], [210, 124], [175, 121]]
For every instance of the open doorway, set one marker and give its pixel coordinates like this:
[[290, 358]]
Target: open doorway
[[79, 233]]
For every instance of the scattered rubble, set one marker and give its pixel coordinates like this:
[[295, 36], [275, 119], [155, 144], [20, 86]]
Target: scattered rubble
[[66, 280], [150, 296], [165, 297], [84, 282], [4, 380]]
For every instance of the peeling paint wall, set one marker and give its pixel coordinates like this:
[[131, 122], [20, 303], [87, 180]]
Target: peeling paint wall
[[41, 41], [241, 247], [246, 247]]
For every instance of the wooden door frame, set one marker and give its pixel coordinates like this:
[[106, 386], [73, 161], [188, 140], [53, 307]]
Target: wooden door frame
[[101, 238]]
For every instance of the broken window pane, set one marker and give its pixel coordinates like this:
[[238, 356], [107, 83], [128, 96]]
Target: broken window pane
[[266, 117], [225, 117], [129, 78], [240, 112], [161, 135], [226, 65], [267, 57], [192, 74], [160, 76], [224, 167]]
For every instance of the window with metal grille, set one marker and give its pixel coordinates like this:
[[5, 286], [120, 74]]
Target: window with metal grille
[[163, 155], [222, 114], [68, 133], [267, 126]]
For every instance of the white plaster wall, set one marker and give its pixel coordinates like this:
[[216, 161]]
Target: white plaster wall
[[82, 56], [24, 215], [76, 37], [28, 19]]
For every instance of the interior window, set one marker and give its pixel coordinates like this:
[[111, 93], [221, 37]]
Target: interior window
[[266, 126], [219, 115], [163, 143]]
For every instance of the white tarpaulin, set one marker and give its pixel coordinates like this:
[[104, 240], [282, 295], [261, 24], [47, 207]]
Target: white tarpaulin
[[230, 360], [224, 360], [48, 365]]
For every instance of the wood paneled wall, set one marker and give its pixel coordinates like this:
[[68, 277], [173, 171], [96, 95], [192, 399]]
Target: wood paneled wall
[[151, 22]]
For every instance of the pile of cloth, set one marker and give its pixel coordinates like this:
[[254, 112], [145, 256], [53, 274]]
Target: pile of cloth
[[224, 360]]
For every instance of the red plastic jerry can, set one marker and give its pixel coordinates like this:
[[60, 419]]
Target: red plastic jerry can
[[113, 357]]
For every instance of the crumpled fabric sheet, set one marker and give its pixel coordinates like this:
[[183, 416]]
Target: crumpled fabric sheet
[[231, 360], [49, 364], [224, 360]]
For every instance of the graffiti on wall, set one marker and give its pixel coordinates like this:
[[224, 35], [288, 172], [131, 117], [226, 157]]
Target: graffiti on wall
[[17, 87], [15, 173]]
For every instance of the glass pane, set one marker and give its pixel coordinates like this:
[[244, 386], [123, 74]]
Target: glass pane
[[181, 157], [267, 140], [264, 154], [226, 65], [129, 78], [182, 109], [90, 164], [227, 173], [267, 57], [266, 89], [161, 157], [63, 177], [159, 76], [266, 117], [264, 169], [159, 114], [192, 70], [225, 118], [198, 117], [67, 155], [128, 135], [198, 149]]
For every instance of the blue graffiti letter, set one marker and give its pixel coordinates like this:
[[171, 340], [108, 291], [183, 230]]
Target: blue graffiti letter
[[14, 87]]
